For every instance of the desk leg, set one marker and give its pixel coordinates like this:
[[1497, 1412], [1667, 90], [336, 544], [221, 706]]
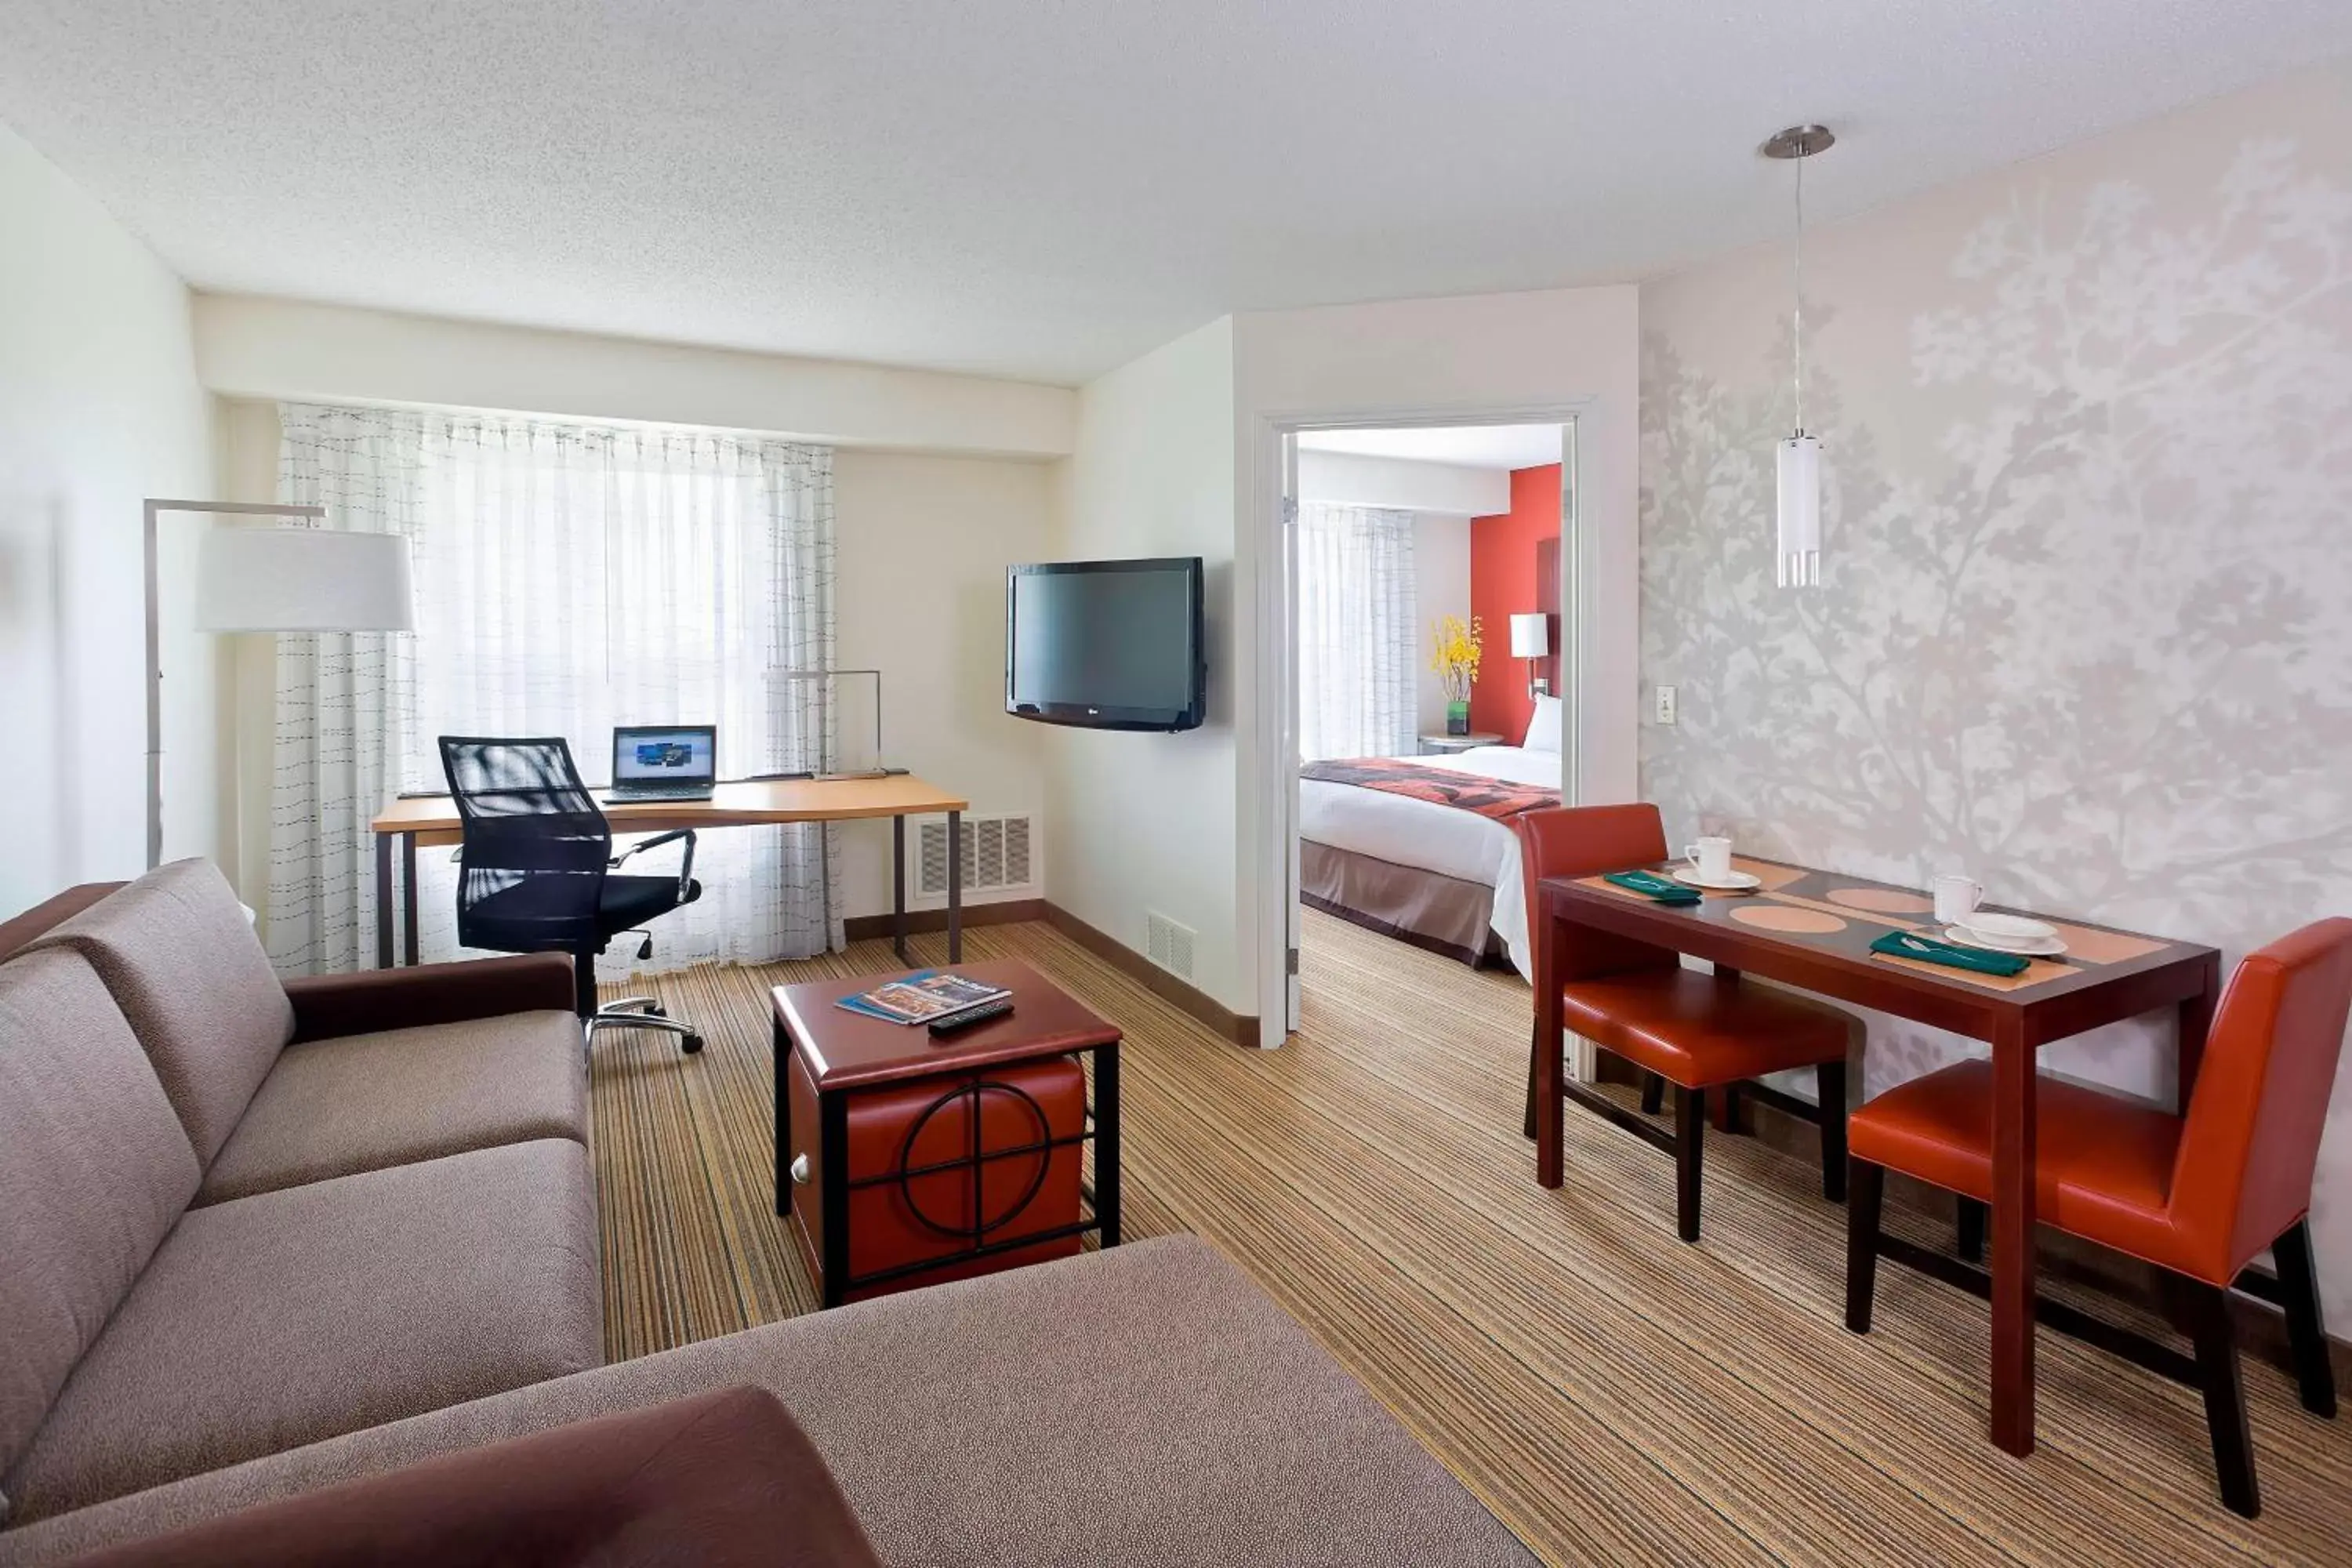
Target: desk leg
[[955, 887], [1550, 1068], [898, 887], [383, 900], [408, 897], [1106, 1141], [2013, 1117], [2196, 1019]]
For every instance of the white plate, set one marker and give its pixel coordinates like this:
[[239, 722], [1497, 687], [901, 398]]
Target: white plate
[[1732, 882], [2009, 928], [2046, 947]]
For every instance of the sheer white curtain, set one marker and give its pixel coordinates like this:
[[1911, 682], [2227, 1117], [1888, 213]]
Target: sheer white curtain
[[1357, 633], [568, 579]]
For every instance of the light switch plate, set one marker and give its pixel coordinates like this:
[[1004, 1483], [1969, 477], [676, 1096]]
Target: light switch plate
[[1665, 704]]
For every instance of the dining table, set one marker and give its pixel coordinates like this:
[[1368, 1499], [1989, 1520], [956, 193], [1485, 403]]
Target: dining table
[[1812, 930]]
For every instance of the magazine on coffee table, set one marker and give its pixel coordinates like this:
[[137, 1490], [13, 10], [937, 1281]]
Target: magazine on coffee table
[[926, 997]]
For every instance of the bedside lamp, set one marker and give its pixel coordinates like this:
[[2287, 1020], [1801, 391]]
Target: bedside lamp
[[271, 580], [1531, 640]]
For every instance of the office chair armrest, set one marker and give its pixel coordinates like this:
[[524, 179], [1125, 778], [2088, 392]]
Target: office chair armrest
[[686, 866], [328, 1006]]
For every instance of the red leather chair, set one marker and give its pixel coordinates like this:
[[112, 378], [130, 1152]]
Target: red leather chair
[[1681, 1026], [2200, 1195]]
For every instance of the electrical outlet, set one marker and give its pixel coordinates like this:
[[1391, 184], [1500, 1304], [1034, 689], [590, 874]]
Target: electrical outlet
[[1665, 704]]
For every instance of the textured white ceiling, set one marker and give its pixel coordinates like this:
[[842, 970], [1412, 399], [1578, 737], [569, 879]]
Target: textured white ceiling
[[1468, 445], [1043, 188]]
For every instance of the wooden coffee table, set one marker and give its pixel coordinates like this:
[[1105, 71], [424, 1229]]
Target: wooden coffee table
[[843, 1055]]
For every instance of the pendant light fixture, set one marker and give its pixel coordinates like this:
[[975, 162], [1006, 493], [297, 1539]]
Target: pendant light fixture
[[1800, 453]]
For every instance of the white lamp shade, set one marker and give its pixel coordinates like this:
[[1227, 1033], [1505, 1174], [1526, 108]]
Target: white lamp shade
[[302, 579], [1801, 513], [1530, 635]]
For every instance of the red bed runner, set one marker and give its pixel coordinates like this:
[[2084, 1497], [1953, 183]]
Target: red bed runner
[[1498, 799]]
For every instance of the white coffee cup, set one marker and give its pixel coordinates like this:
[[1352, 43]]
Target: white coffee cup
[[1710, 857], [1957, 898]]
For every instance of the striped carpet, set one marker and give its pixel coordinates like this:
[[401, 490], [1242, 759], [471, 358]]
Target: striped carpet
[[1612, 1395]]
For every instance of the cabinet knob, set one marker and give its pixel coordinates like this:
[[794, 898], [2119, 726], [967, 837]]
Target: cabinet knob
[[801, 1170]]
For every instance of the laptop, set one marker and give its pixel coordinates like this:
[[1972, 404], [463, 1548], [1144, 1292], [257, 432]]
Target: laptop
[[665, 762]]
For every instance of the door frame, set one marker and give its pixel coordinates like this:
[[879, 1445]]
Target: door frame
[[1274, 782]]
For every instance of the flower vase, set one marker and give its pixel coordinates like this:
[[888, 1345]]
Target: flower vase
[[1457, 718]]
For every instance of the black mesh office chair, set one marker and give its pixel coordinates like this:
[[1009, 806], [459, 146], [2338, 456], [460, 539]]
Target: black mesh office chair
[[537, 869]]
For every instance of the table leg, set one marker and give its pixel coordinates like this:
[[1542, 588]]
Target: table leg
[[383, 900], [2196, 1019], [408, 897], [832, 1118], [2013, 1120], [1550, 1069], [955, 887], [1106, 1141], [1723, 1109], [780, 1045], [898, 887]]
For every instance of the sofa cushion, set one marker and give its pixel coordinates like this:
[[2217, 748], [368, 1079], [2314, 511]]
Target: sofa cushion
[[360, 1102], [271, 1321], [176, 951], [94, 1169], [1141, 1405], [721, 1481]]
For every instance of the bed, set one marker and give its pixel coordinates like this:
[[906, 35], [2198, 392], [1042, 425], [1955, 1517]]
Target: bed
[[1435, 875]]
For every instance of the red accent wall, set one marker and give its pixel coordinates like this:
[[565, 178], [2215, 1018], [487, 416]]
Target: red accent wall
[[1502, 584]]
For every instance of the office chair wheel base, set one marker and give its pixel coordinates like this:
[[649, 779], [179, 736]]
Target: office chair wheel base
[[692, 1045]]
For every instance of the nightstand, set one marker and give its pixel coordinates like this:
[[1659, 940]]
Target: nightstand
[[1448, 745]]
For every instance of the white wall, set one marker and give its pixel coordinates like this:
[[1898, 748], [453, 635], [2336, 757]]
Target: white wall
[[1441, 568], [922, 545], [281, 350], [1356, 479], [1139, 822], [1183, 823], [100, 408], [1504, 358]]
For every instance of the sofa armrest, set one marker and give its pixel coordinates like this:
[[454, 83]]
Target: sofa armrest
[[329, 1005]]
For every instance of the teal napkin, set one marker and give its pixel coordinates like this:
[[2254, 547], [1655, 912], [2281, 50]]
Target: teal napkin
[[1649, 885], [1928, 950]]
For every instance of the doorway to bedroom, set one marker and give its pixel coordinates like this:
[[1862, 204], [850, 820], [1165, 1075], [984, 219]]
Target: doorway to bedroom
[[1428, 634]]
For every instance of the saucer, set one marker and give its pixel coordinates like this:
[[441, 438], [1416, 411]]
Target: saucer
[[1984, 941], [2007, 927], [1732, 882]]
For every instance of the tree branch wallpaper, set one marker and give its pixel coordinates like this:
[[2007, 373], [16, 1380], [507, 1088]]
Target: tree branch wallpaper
[[2085, 627]]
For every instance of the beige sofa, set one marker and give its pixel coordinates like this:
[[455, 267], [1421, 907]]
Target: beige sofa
[[413, 1286], [231, 1224]]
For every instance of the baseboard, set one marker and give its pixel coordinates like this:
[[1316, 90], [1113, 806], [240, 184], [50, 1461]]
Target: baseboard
[[1240, 1028], [2261, 1328], [1003, 911]]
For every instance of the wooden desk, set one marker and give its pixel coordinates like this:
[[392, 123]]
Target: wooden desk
[[432, 820], [1812, 930]]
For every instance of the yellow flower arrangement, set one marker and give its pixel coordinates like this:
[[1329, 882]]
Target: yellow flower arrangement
[[1455, 658]]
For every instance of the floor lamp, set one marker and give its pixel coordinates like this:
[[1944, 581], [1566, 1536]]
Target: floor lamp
[[271, 580]]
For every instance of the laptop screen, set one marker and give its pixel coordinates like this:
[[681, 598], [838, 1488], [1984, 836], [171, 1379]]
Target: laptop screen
[[678, 753]]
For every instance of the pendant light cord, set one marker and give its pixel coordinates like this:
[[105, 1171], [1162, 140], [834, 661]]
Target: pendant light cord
[[1797, 279]]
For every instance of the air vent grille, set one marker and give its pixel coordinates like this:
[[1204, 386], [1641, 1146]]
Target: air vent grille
[[1168, 944], [996, 854]]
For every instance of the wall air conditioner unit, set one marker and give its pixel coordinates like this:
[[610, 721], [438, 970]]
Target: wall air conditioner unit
[[999, 855]]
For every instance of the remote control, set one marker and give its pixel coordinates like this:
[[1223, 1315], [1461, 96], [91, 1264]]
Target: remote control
[[981, 1014]]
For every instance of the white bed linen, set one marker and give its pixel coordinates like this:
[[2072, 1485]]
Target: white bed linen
[[1441, 838]]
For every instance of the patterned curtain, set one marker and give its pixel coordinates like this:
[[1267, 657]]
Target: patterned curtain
[[1357, 633], [568, 579]]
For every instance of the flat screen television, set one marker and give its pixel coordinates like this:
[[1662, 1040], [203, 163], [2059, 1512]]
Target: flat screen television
[[1105, 645]]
